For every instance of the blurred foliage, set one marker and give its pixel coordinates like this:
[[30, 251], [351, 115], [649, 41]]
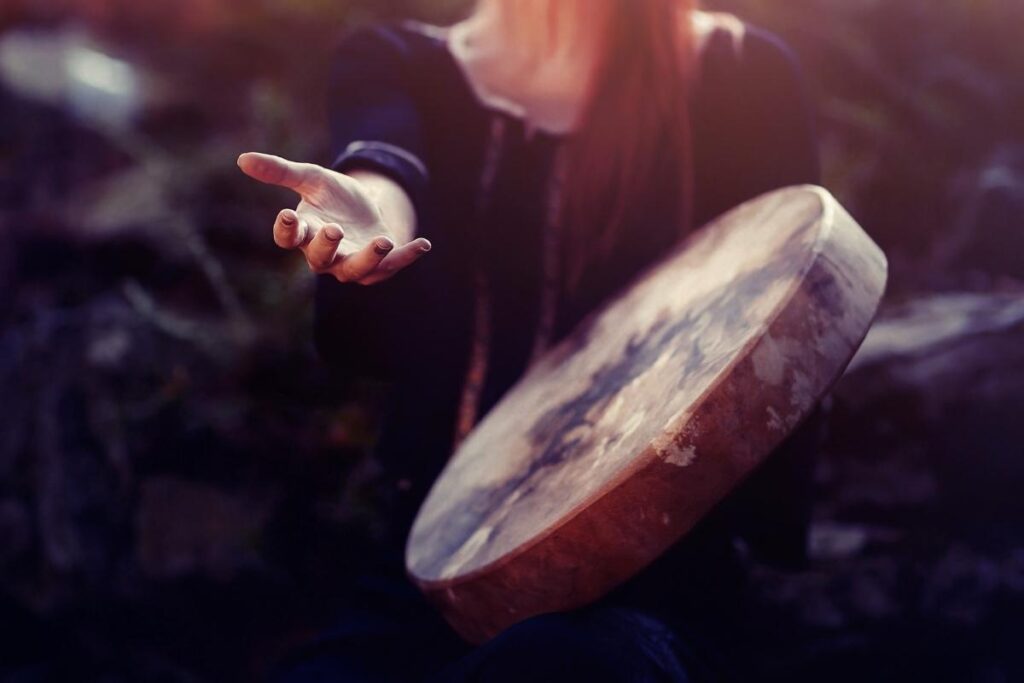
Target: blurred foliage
[[918, 100], [183, 489]]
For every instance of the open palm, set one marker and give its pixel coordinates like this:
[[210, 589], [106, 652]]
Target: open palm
[[337, 224]]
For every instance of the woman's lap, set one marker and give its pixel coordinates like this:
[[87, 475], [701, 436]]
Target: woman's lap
[[599, 644], [392, 635]]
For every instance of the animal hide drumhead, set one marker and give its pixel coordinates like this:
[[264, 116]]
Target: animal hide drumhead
[[617, 441]]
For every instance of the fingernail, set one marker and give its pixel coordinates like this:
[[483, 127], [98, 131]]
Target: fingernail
[[288, 219], [382, 245], [425, 247], [332, 233]]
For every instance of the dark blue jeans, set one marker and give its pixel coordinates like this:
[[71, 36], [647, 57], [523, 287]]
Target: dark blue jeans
[[396, 637]]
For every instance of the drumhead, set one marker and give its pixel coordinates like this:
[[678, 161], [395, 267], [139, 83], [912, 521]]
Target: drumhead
[[739, 332]]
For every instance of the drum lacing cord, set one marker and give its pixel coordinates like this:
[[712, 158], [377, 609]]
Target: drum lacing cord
[[552, 255], [476, 372]]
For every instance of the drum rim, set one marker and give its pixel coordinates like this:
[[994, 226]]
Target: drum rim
[[826, 218]]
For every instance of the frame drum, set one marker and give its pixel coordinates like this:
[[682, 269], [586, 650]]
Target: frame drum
[[617, 441]]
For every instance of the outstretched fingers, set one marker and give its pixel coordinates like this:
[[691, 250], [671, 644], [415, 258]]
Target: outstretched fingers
[[400, 258], [322, 251], [274, 170], [290, 231], [355, 267]]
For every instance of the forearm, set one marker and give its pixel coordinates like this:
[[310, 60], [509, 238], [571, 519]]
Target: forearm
[[396, 206]]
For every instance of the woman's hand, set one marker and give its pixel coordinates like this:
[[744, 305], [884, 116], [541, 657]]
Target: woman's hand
[[358, 227]]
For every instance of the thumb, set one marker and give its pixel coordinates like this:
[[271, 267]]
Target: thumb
[[274, 170]]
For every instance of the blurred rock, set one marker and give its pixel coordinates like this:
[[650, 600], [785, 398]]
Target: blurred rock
[[949, 369], [928, 323], [831, 541], [988, 235], [109, 347], [68, 69], [189, 528]]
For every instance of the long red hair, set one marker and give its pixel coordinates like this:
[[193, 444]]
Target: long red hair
[[635, 116]]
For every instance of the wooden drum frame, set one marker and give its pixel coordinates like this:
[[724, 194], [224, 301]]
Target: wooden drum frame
[[616, 442]]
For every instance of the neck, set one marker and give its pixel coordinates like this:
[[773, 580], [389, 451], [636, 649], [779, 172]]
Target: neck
[[512, 65], [536, 61]]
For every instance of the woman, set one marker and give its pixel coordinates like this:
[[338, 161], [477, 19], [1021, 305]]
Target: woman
[[550, 149]]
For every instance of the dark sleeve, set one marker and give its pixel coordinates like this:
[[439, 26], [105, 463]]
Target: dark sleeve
[[373, 115], [375, 124], [756, 127]]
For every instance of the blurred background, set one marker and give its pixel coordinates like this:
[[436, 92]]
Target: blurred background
[[183, 491]]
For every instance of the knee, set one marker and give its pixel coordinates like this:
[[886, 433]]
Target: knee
[[596, 645]]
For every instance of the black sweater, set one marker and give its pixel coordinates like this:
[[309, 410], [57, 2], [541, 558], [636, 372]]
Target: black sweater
[[401, 105]]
